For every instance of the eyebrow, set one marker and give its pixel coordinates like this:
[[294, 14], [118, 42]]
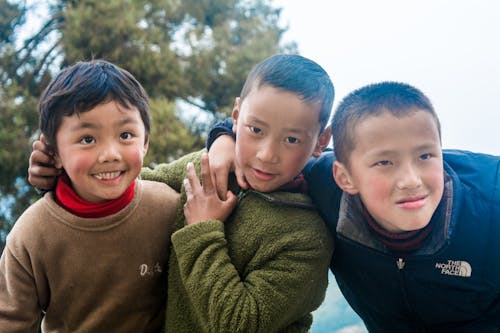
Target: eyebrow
[[425, 146], [93, 125], [287, 129]]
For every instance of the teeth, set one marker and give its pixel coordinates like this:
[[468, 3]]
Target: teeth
[[107, 175]]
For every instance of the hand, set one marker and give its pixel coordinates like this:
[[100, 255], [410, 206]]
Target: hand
[[42, 173], [202, 202], [222, 161]]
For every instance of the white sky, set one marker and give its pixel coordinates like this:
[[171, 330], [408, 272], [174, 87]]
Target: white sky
[[449, 49]]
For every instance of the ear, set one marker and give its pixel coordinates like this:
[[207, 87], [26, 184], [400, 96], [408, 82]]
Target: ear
[[343, 178], [323, 141], [236, 113], [57, 161], [145, 148]]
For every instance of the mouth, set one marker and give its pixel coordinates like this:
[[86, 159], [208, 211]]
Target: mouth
[[107, 175], [412, 202], [262, 175]]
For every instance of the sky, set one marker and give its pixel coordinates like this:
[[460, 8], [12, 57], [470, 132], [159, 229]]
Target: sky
[[449, 49]]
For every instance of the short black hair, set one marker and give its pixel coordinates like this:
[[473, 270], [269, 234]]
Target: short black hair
[[295, 74], [399, 99], [84, 85]]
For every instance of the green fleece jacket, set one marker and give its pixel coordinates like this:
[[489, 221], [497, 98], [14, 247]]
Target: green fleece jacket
[[265, 269]]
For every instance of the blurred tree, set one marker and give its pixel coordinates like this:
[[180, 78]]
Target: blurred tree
[[194, 53]]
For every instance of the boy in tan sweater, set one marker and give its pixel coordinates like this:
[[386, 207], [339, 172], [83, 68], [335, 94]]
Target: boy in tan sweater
[[91, 256]]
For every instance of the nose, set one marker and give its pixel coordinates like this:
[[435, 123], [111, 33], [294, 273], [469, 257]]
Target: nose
[[409, 177], [267, 152], [109, 152]]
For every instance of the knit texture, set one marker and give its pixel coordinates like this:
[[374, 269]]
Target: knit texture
[[89, 275]]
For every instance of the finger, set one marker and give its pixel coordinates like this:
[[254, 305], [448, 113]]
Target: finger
[[221, 178], [206, 177], [39, 157], [41, 145], [42, 183], [43, 139], [240, 178], [43, 171], [193, 180], [188, 189], [231, 201], [231, 198]]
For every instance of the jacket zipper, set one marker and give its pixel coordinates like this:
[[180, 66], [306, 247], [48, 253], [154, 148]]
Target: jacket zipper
[[400, 263]]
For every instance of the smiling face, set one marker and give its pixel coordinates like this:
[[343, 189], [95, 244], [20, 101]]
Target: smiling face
[[276, 134], [397, 169], [101, 150]]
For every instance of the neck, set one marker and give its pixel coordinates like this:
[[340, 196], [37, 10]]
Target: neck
[[67, 198]]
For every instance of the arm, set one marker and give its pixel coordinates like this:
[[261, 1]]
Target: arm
[[221, 146], [323, 189], [172, 173], [284, 279], [19, 308]]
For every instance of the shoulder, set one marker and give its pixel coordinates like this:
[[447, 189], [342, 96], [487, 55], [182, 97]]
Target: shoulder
[[476, 172], [31, 225], [157, 192], [283, 212]]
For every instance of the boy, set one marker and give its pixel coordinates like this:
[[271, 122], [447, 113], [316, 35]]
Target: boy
[[91, 256], [416, 230], [263, 269]]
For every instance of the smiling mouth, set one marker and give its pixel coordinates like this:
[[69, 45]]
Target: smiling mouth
[[107, 175], [261, 175], [413, 202]]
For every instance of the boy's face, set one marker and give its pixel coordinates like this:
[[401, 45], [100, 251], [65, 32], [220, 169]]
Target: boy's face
[[101, 150], [276, 133], [397, 169]]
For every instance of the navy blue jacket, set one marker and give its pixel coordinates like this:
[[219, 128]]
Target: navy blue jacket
[[452, 283]]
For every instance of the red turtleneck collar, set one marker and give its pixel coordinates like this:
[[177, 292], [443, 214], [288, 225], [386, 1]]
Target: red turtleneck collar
[[67, 198]]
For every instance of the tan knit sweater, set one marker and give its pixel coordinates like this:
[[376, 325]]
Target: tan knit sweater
[[89, 275]]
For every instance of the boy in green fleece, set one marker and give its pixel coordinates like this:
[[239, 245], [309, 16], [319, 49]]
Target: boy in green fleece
[[259, 268]]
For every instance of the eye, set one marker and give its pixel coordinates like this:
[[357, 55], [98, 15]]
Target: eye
[[126, 136], [254, 129], [383, 163], [86, 140], [292, 140], [425, 156]]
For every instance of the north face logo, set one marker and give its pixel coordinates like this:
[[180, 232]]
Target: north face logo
[[455, 267]]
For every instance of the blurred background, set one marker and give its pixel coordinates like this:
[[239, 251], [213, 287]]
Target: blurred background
[[192, 56]]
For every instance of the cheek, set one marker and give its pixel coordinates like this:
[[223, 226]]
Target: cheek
[[375, 188], [135, 157], [77, 163], [434, 178]]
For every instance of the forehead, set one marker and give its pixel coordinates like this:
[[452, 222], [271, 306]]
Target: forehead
[[277, 100], [280, 109], [386, 130]]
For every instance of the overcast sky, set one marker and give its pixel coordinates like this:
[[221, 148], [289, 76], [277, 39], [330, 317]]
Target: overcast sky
[[449, 49]]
